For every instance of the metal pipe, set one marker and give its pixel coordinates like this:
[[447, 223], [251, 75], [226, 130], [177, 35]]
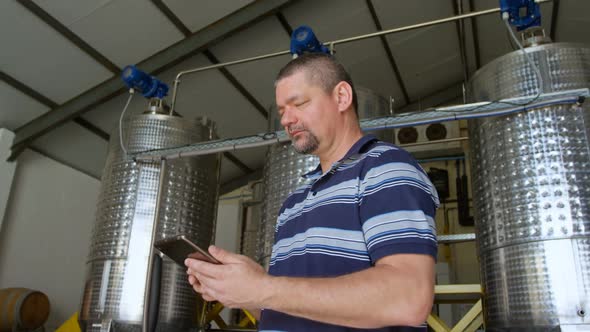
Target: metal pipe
[[219, 65], [331, 44], [147, 288], [431, 160], [448, 140], [443, 114], [227, 148]]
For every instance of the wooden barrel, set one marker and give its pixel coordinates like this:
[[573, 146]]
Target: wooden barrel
[[22, 308]]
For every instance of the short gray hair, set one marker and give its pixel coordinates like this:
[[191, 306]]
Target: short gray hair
[[321, 69]]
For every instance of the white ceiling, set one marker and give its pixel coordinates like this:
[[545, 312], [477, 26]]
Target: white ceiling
[[129, 31]]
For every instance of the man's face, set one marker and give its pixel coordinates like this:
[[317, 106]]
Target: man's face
[[305, 112]]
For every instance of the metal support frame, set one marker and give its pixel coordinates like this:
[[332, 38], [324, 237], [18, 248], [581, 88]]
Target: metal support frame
[[460, 25], [172, 17], [155, 223], [285, 24], [237, 85], [387, 49], [459, 293], [554, 17], [437, 115], [475, 33], [161, 61], [246, 324]]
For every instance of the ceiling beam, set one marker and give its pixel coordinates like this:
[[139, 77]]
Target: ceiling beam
[[172, 17], [554, 15], [69, 35], [27, 90], [390, 57], [236, 161], [284, 23], [475, 34], [460, 26], [240, 181], [155, 64], [236, 84]]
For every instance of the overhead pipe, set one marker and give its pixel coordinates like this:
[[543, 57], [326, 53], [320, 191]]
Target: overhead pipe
[[331, 44]]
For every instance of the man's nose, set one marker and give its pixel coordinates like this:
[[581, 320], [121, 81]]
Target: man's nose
[[287, 118]]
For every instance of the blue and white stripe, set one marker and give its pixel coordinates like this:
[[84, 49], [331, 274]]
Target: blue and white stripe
[[322, 240], [396, 174], [399, 225], [345, 192]]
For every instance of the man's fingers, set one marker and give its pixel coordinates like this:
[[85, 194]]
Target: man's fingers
[[193, 280], [224, 256], [203, 268]]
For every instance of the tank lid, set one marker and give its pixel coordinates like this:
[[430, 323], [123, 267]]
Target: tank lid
[[534, 36], [158, 106]]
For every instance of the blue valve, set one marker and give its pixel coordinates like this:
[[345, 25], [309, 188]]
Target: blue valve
[[522, 14], [303, 40], [148, 85]]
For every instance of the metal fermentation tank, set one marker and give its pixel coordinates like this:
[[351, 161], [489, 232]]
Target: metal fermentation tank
[[532, 194], [116, 270], [284, 168]]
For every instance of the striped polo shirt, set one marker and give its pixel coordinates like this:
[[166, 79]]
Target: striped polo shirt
[[374, 202]]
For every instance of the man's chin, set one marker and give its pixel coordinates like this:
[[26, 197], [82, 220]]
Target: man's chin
[[303, 149]]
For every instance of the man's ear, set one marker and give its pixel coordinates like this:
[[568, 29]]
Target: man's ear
[[343, 96]]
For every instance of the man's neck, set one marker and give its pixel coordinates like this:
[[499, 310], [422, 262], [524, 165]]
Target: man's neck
[[339, 147]]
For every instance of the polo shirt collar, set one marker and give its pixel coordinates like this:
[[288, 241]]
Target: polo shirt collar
[[354, 150]]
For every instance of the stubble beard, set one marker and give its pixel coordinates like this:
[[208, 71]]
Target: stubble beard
[[306, 143]]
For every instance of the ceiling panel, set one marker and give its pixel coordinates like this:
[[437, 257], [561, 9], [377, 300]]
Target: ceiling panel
[[71, 11], [198, 14], [365, 60], [76, 146], [125, 32], [573, 22], [428, 58], [16, 108], [41, 58], [268, 36]]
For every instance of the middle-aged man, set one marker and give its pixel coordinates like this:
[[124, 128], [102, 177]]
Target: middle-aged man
[[355, 248]]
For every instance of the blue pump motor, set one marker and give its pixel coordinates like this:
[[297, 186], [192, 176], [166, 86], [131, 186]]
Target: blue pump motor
[[149, 86], [303, 40], [522, 14]]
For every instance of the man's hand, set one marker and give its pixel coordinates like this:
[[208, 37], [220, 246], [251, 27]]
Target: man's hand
[[238, 282]]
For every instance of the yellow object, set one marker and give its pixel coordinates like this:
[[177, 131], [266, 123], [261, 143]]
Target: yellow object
[[71, 325], [213, 315], [472, 320]]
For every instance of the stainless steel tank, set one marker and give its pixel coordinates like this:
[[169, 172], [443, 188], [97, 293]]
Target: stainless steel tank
[[116, 270], [532, 194], [284, 168]]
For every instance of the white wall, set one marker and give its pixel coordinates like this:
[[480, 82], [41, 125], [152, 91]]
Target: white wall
[[44, 240], [6, 169]]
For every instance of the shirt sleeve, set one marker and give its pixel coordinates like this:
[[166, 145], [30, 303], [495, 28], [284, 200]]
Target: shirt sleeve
[[397, 205]]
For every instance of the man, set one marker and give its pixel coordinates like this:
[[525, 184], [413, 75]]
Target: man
[[354, 248]]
